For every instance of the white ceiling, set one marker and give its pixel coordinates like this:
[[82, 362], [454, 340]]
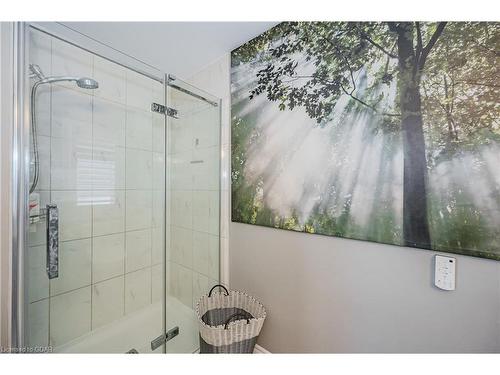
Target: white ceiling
[[180, 48]]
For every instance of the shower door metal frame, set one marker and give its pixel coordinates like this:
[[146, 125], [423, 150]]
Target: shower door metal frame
[[21, 157], [20, 179]]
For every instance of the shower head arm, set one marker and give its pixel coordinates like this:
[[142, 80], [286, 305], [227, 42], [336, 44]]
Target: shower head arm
[[36, 161], [57, 79], [82, 82]]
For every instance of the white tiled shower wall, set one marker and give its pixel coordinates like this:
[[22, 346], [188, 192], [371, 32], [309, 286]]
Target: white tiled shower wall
[[193, 189], [215, 79], [102, 163]]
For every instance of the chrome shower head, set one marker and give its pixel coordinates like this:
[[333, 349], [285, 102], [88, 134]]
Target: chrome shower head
[[82, 82], [87, 83]]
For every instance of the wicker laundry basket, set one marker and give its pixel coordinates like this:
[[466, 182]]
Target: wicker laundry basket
[[229, 321]]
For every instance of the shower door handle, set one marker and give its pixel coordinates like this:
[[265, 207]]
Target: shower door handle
[[52, 241]]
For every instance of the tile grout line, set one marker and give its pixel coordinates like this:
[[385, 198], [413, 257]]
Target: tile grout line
[[98, 282]]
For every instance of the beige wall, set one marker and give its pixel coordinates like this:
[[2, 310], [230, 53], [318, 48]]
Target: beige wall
[[327, 294]]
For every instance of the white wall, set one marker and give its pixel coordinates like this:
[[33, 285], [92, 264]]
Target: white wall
[[327, 294], [185, 46]]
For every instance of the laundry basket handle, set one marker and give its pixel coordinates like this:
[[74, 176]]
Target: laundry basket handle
[[220, 286], [236, 315]]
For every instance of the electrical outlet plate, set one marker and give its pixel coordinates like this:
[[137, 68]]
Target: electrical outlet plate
[[444, 272]]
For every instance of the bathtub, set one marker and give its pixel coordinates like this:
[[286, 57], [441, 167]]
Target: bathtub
[[137, 330]]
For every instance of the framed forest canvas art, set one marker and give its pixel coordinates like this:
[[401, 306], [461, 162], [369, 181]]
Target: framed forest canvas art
[[378, 131]]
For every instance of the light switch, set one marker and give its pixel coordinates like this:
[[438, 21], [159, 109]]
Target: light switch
[[444, 272]]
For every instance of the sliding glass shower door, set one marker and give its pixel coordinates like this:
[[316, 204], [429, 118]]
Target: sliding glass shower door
[[193, 215], [94, 267], [124, 202]]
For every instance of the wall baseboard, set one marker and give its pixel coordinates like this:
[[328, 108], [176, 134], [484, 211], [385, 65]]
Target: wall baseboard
[[260, 350]]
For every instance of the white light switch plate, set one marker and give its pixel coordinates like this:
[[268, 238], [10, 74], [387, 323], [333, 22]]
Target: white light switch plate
[[444, 272]]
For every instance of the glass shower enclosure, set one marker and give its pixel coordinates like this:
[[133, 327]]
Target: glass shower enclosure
[[121, 200]]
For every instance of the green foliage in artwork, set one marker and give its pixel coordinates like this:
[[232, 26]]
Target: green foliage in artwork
[[471, 229], [246, 207], [461, 90], [451, 74]]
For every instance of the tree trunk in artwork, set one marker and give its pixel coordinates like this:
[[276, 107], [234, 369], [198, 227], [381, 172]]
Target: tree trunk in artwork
[[415, 222]]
